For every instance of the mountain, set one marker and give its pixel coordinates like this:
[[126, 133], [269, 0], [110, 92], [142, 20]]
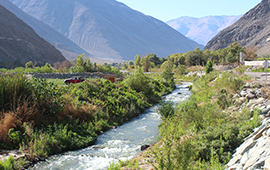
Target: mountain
[[202, 29], [251, 30], [68, 48], [18, 41], [108, 28]]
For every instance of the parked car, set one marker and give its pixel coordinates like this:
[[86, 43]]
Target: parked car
[[75, 79]]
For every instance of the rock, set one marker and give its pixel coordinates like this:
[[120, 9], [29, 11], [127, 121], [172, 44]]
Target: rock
[[243, 93], [258, 101], [266, 110], [41, 158], [246, 146], [143, 147], [259, 134], [253, 158], [179, 93], [241, 100], [253, 107], [251, 95], [235, 159], [98, 147], [236, 96], [267, 164], [258, 93]]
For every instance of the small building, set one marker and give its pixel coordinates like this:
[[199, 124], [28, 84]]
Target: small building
[[110, 77]]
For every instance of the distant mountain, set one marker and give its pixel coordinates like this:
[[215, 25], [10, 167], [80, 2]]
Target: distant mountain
[[68, 48], [18, 41], [251, 30], [108, 28], [202, 29]]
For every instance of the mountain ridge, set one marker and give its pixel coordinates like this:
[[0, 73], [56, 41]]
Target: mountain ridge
[[202, 29], [251, 30], [68, 48], [18, 41], [108, 29]]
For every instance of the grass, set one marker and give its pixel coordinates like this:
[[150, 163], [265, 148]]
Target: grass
[[201, 133], [57, 81], [56, 118]]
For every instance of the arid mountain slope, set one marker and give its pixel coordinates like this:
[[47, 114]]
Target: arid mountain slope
[[108, 28], [252, 29], [18, 41], [68, 48]]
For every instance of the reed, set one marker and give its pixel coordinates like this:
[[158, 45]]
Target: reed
[[12, 88]]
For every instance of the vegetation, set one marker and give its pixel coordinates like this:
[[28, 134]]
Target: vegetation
[[200, 135], [42, 118], [202, 132]]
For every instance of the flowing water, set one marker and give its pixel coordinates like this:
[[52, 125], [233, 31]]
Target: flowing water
[[116, 144]]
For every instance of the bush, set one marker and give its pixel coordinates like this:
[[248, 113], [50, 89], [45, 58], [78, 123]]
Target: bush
[[166, 109], [200, 134]]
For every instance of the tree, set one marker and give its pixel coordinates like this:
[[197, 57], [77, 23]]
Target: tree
[[79, 60], [138, 81], [167, 73], [137, 61], [155, 59], [209, 66], [234, 50], [145, 62], [47, 68], [87, 64], [29, 64]]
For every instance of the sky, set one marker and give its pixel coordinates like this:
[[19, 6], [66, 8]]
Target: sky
[[166, 10]]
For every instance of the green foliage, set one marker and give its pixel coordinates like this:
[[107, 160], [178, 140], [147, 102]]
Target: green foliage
[[8, 165], [29, 64], [13, 88], [209, 66], [59, 138], [83, 64], [204, 136], [154, 59], [137, 61], [181, 70], [47, 95], [166, 109], [138, 81]]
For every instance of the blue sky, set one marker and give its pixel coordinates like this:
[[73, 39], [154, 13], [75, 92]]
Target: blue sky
[[166, 10]]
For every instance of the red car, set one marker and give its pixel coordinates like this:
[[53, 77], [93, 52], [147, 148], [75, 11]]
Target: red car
[[75, 79]]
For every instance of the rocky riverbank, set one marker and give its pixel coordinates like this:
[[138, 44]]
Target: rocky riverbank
[[254, 153]]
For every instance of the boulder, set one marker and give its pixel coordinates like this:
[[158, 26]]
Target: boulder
[[251, 95], [243, 93], [236, 96], [143, 147], [266, 110], [258, 101], [235, 159], [267, 164]]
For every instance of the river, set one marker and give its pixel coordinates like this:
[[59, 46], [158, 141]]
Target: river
[[116, 144]]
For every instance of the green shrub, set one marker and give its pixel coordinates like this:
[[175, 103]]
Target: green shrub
[[13, 89], [166, 109], [7, 165]]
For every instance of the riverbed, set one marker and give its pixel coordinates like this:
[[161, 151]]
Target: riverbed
[[116, 144]]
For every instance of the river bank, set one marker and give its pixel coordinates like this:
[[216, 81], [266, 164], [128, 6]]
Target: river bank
[[123, 142], [66, 118], [223, 110]]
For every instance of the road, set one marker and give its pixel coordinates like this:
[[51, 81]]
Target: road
[[259, 77]]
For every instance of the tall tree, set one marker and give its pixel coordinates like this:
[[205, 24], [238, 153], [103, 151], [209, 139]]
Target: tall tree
[[137, 61]]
